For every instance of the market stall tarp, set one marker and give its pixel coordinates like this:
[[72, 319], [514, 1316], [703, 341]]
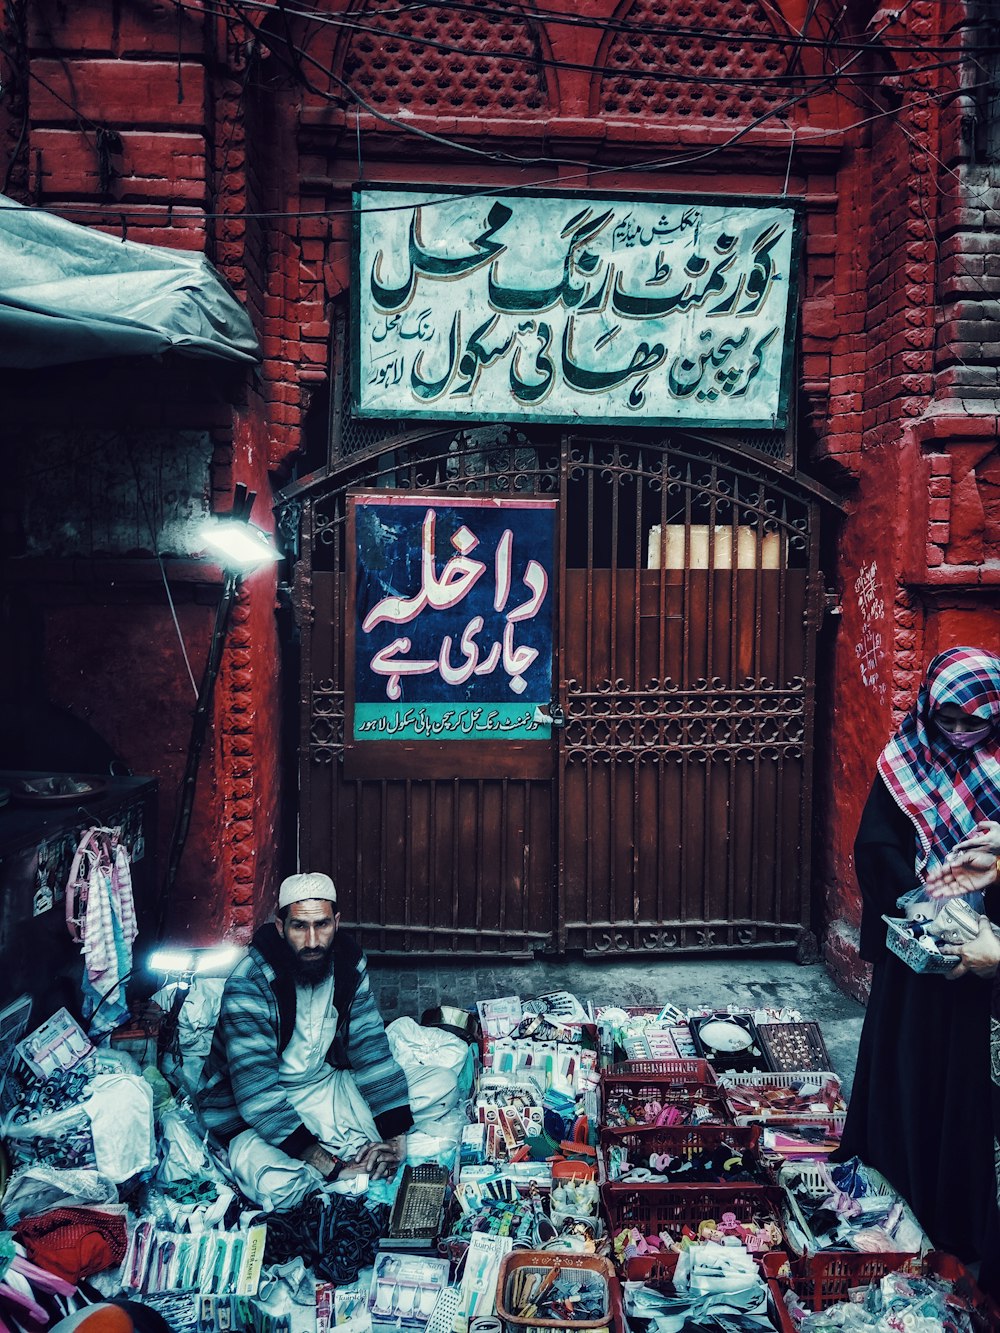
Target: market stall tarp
[[70, 293]]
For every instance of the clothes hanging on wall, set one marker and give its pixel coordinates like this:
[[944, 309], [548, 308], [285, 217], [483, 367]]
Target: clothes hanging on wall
[[100, 914]]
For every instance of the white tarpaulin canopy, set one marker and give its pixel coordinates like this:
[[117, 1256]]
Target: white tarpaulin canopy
[[69, 293]]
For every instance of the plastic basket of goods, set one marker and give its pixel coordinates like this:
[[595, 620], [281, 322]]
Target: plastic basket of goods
[[657, 1271], [760, 1096], [676, 1070], [651, 1220], [832, 1279], [826, 1264], [682, 1155], [542, 1289], [918, 951], [820, 1280], [651, 1099]]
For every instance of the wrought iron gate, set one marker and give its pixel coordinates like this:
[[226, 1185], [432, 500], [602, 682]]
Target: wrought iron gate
[[678, 814], [690, 586]]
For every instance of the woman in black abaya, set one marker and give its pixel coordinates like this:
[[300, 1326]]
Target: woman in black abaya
[[920, 1108]]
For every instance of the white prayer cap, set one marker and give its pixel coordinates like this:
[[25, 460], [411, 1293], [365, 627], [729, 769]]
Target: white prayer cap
[[312, 884]]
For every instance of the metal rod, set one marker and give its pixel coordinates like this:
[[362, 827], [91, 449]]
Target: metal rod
[[199, 727]]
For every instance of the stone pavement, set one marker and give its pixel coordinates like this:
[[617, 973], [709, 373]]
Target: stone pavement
[[411, 986]]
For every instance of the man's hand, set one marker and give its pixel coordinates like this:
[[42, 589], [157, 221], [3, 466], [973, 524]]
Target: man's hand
[[381, 1160], [980, 956], [970, 866], [324, 1162]]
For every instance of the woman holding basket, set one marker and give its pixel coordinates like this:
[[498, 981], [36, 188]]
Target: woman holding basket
[[920, 1108]]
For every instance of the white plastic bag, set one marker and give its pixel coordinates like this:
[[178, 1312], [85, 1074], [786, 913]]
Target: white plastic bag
[[288, 1292], [37, 1189], [183, 1154], [432, 1061], [120, 1107], [195, 1029]]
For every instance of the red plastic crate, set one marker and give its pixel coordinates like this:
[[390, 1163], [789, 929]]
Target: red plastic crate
[[824, 1279], [939, 1264], [657, 1270], [664, 1090], [655, 1208], [677, 1069], [568, 1263], [678, 1141]]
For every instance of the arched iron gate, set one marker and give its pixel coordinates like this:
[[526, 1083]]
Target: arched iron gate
[[678, 813]]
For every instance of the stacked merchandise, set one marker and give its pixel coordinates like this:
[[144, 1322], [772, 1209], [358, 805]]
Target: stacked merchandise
[[595, 1169]]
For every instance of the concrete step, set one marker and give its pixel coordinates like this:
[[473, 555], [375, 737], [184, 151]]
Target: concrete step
[[409, 988]]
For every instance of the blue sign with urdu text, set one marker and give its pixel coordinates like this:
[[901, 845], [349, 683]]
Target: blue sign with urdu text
[[453, 617]]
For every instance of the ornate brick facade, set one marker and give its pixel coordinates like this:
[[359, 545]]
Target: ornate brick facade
[[241, 131]]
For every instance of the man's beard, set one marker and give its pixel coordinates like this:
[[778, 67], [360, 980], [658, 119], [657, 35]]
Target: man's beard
[[312, 971]]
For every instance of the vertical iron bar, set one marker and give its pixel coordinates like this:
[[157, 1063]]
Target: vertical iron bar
[[504, 887], [755, 839], [432, 858], [480, 790], [338, 655], [408, 862], [686, 685], [635, 687], [588, 690], [305, 617], [384, 852], [734, 686], [707, 840], [557, 800], [814, 613], [781, 683], [455, 844], [661, 677]]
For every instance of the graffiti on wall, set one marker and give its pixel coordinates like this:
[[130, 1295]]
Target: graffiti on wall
[[869, 647]]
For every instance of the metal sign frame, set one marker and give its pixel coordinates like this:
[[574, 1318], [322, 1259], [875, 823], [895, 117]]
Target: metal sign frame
[[476, 345]]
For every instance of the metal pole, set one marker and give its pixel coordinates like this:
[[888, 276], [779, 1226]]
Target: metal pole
[[199, 726]]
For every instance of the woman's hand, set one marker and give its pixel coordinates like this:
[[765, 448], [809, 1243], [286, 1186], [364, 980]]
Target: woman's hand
[[970, 866], [980, 957]]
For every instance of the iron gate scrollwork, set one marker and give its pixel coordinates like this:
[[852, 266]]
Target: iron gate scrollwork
[[690, 581], [679, 819]]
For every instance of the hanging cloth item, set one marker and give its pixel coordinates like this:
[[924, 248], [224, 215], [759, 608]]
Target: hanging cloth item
[[100, 915]]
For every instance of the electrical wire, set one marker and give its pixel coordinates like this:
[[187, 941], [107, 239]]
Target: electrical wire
[[590, 170], [593, 171], [402, 123], [613, 72], [163, 573], [538, 16]]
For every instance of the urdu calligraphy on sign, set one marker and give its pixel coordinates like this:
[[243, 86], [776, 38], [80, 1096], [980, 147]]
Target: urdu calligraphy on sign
[[556, 307], [453, 617]]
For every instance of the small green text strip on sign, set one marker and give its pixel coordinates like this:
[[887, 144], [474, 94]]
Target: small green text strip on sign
[[568, 308]]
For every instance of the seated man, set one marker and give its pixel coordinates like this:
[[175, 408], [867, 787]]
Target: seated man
[[298, 1014]]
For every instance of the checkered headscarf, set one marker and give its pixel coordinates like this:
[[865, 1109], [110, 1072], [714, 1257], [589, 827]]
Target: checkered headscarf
[[944, 790]]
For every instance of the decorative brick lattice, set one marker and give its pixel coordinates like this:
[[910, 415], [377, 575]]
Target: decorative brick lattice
[[726, 78], [477, 64]]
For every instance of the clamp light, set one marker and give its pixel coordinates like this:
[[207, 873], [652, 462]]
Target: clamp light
[[241, 545]]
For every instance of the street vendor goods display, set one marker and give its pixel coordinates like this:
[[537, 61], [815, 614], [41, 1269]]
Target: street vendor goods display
[[589, 1169]]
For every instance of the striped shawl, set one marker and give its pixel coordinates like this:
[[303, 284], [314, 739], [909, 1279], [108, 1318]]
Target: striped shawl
[[240, 1086]]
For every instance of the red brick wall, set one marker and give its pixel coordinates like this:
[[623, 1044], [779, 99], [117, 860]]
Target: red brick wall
[[899, 358]]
